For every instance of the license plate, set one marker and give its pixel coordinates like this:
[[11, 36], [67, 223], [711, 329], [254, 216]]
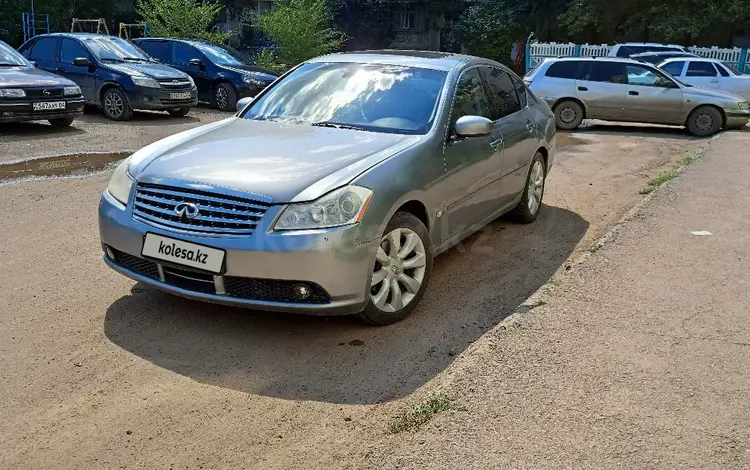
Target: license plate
[[180, 96], [49, 105], [184, 253]]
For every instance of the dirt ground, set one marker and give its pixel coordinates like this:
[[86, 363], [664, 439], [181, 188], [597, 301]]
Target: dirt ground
[[99, 372]]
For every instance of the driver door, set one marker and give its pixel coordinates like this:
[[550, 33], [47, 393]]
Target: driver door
[[470, 163], [652, 97]]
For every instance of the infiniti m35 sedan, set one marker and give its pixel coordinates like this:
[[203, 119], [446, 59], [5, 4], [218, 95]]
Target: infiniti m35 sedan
[[332, 190]]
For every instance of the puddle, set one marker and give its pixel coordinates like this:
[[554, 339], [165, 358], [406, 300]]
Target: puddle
[[565, 139], [58, 166]]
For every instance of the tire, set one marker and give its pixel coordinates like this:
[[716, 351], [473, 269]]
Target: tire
[[179, 112], [225, 97], [569, 115], [392, 267], [704, 121], [116, 105], [61, 122], [530, 204]]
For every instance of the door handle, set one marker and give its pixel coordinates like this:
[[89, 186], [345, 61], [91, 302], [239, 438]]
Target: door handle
[[633, 93], [714, 81], [582, 88], [530, 127]]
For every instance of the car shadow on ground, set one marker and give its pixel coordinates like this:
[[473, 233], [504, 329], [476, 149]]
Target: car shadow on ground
[[624, 129], [337, 359], [140, 118], [37, 130]]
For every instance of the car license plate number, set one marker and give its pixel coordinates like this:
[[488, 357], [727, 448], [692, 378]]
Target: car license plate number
[[49, 105], [183, 253], [180, 96]]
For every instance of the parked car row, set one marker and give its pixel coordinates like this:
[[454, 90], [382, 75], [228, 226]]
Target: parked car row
[[618, 89], [119, 77]]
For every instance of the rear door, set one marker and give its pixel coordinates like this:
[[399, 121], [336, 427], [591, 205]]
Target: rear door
[[652, 97], [160, 50], [702, 73], [603, 88], [44, 53], [85, 77]]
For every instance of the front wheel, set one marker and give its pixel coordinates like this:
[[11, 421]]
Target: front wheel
[[528, 208], [61, 122], [705, 121], [403, 267], [179, 112], [225, 97], [116, 105]]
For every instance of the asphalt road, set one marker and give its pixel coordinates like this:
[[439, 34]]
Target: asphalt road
[[99, 372]]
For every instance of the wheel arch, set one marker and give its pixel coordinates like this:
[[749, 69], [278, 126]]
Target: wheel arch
[[106, 86], [708, 105], [575, 100]]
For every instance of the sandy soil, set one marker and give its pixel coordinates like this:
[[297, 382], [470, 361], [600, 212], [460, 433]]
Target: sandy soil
[[99, 372]]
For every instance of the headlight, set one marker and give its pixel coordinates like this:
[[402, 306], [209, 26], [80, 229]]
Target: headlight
[[744, 105], [72, 91], [120, 184], [192, 82], [344, 206], [250, 80], [146, 82], [12, 93]]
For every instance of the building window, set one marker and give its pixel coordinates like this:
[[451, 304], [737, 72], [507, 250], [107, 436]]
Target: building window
[[408, 20]]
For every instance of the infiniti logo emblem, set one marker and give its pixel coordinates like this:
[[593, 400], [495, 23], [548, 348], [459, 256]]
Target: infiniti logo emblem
[[186, 211]]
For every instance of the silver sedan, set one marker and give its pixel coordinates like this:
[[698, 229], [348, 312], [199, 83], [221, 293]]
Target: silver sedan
[[332, 190]]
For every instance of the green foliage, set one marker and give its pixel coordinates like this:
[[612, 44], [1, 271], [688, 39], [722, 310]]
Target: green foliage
[[265, 59], [413, 419], [489, 30], [187, 19], [301, 29]]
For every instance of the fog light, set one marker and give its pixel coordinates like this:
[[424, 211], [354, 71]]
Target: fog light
[[301, 292], [110, 253]]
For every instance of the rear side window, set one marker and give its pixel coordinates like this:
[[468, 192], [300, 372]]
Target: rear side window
[[565, 69], [609, 72], [701, 69], [674, 68], [503, 96], [71, 50], [44, 49], [471, 99], [157, 49], [523, 95]]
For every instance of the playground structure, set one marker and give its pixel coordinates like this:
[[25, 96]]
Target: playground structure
[[97, 26], [127, 30], [34, 24]]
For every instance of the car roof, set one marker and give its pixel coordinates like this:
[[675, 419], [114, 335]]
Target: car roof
[[689, 59], [187, 41], [75, 35], [655, 44], [595, 59], [407, 58], [655, 53]]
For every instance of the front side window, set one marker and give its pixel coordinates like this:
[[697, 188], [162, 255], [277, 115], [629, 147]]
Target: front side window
[[113, 49], [184, 53], [71, 50], [674, 68], [641, 76], [372, 97], [221, 55], [471, 98], [503, 96], [523, 92], [157, 49], [698, 68], [609, 72], [44, 49]]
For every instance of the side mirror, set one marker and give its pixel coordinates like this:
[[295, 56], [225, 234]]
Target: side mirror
[[242, 103], [81, 62], [196, 63], [474, 126], [34, 63]]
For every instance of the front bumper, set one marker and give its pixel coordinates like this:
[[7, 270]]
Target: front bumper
[[21, 111], [251, 91], [160, 99], [737, 118], [328, 261]]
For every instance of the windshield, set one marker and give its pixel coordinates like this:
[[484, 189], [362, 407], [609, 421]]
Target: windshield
[[373, 97], [8, 56], [112, 48], [221, 55]]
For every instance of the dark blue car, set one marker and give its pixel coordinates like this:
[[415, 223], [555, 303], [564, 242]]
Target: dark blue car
[[113, 74], [222, 74]]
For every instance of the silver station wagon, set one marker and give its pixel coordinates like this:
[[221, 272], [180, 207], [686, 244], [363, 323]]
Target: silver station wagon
[[627, 90], [332, 190]]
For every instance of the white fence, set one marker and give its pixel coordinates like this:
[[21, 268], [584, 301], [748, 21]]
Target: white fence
[[538, 51]]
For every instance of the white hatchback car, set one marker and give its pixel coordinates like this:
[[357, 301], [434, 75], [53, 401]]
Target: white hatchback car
[[708, 73]]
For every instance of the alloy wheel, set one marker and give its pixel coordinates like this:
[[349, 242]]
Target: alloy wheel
[[222, 99], [535, 188], [400, 267], [114, 105]]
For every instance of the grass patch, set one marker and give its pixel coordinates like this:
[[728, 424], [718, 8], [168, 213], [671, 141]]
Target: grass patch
[[663, 178], [686, 160], [413, 419], [595, 247]]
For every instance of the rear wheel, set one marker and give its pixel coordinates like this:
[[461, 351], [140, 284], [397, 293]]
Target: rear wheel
[[568, 115], [528, 208], [704, 121], [61, 122], [402, 269], [225, 97], [178, 112], [116, 106]]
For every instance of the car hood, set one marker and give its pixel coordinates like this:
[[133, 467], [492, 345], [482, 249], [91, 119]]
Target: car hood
[[697, 92], [30, 77], [157, 71], [286, 162]]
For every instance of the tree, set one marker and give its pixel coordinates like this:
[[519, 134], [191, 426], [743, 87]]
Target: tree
[[187, 19], [301, 29], [488, 29]]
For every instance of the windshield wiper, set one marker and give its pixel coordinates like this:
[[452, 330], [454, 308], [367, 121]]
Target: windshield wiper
[[336, 125], [113, 59], [4, 64], [135, 59]]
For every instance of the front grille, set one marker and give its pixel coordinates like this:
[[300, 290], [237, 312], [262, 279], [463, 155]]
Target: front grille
[[171, 85], [171, 102], [138, 265], [40, 92], [190, 280], [270, 290], [218, 214]]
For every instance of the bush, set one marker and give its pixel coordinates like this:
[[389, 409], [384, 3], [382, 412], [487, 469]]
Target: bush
[[185, 19], [301, 29], [488, 30]]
